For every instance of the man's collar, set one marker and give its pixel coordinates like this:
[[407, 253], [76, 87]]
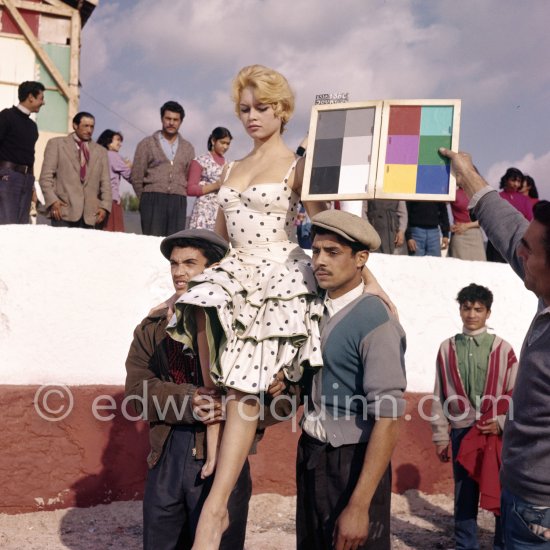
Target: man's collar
[[336, 304], [476, 335], [161, 136], [477, 332], [24, 110], [78, 140]]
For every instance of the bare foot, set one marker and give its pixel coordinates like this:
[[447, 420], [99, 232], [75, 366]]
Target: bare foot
[[212, 525]]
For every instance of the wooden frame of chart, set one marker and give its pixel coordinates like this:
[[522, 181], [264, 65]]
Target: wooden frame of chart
[[385, 149]]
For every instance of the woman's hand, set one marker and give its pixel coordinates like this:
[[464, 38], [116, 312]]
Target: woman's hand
[[461, 228], [372, 286]]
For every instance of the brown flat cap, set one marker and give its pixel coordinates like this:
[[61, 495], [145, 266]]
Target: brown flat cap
[[349, 226], [212, 240]]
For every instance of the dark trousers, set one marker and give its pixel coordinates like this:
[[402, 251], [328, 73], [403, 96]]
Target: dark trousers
[[64, 223], [175, 493], [325, 478], [15, 196], [467, 502], [162, 214]]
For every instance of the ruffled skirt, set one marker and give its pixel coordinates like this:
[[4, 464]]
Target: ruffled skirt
[[262, 316]]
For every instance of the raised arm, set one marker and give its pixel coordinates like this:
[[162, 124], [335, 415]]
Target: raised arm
[[502, 223]]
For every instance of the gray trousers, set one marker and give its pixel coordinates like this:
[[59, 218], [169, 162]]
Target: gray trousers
[[162, 214]]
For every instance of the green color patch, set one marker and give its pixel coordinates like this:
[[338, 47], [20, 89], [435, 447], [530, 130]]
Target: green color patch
[[428, 152]]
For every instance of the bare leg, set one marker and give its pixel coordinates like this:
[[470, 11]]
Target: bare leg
[[213, 431], [240, 427]]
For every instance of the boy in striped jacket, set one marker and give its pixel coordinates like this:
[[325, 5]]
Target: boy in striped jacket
[[475, 375]]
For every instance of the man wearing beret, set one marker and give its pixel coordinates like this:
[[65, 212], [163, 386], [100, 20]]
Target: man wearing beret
[[162, 379], [353, 402]]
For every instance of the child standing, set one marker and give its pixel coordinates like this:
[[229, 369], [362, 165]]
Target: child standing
[[475, 375]]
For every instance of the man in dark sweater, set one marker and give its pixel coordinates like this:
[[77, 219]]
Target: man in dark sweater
[[18, 135], [525, 472], [426, 218]]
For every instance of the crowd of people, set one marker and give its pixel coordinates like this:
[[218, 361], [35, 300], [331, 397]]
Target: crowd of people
[[165, 171], [423, 228], [256, 326]]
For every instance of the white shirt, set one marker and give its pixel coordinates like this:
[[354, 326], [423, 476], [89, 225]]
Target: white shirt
[[334, 305], [23, 109], [169, 149]]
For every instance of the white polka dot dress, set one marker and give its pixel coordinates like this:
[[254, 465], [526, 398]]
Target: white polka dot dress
[[261, 302]]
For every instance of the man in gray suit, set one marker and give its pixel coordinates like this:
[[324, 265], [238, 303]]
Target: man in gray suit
[[75, 177]]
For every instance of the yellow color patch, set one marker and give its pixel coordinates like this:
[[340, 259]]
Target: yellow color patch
[[400, 178]]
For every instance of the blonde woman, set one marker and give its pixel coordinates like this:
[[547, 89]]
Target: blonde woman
[[258, 308]]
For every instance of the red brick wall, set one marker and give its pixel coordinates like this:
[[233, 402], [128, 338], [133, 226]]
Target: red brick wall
[[82, 460]]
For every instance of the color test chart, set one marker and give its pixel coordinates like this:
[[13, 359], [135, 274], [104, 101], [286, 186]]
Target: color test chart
[[381, 149]]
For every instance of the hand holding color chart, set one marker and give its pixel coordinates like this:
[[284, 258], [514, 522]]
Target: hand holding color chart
[[382, 149]]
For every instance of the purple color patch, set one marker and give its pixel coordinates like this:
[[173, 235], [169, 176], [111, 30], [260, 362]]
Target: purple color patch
[[402, 149]]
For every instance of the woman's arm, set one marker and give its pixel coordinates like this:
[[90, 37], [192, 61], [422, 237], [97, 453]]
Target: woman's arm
[[193, 179], [460, 228], [194, 188], [119, 166]]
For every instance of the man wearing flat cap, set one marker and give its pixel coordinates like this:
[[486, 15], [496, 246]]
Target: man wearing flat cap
[[353, 402], [163, 377]]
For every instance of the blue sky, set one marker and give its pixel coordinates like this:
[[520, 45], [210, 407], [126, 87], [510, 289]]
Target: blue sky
[[491, 54]]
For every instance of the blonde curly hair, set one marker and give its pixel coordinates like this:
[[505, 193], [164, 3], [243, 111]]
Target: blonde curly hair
[[270, 88]]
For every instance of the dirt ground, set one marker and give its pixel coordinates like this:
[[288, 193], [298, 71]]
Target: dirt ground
[[419, 521]]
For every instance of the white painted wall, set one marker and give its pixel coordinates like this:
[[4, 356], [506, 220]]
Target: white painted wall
[[70, 299]]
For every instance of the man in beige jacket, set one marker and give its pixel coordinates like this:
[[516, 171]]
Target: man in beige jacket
[[75, 177]]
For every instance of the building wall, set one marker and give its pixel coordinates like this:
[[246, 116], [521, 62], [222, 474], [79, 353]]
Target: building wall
[[90, 458], [20, 63]]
